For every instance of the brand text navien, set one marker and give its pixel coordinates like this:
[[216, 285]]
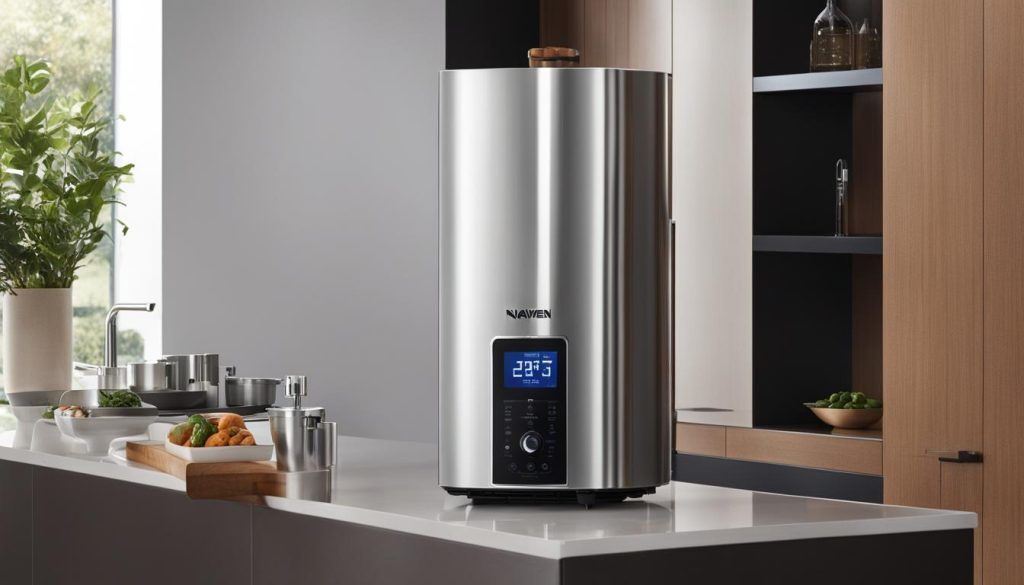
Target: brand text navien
[[528, 313]]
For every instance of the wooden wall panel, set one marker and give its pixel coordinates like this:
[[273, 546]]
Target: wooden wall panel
[[700, 439], [960, 489], [866, 165], [633, 34], [1004, 293], [866, 298], [805, 450], [596, 51], [932, 265], [561, 23]]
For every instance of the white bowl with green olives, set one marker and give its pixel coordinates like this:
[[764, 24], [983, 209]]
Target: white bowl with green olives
[[847, 410]]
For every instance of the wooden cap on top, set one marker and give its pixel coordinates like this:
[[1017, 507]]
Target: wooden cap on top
[[553, 57]]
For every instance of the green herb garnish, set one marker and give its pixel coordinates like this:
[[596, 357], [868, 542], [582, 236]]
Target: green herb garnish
[[119, 399]]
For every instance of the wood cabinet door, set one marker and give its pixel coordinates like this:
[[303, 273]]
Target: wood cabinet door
[[1004, 293], [933, 241]]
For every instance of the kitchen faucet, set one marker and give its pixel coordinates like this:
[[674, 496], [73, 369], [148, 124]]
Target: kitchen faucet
[[110, 345], [111, 377]]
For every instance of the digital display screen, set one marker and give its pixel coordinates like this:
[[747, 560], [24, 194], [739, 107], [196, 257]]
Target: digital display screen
[[531, 369]]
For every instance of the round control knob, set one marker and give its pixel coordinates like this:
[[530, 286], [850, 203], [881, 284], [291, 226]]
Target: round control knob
[[530, 442]]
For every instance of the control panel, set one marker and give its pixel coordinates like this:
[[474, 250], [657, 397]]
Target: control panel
[[528, 399]]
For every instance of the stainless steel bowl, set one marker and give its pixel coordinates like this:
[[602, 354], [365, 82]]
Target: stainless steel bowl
[[151, 376], [250, 391]]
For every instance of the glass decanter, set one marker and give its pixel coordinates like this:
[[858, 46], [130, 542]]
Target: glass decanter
[[832, 42], [868, 53]]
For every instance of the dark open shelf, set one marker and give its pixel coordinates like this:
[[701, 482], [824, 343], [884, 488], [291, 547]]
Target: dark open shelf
[[819, 244], [857, 80]]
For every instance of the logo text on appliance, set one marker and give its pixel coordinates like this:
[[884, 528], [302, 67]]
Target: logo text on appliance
[[528, 313]]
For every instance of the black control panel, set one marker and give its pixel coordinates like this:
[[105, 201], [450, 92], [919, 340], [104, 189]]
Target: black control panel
[[528, 441]]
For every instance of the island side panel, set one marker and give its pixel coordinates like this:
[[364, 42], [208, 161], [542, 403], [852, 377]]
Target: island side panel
[[292, 548], [16, 525], [936, 558], [131, 533]]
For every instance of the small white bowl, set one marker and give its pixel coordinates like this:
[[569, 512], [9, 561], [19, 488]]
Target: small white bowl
[[220, 454], [98, 432]]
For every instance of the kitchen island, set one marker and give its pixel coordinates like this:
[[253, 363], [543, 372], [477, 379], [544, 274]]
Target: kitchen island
[[70, 518]]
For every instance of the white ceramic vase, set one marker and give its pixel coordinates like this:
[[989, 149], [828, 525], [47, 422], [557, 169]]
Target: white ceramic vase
[[37, 341]]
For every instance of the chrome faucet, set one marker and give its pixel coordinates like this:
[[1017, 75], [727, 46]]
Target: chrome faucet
[[110, 345]]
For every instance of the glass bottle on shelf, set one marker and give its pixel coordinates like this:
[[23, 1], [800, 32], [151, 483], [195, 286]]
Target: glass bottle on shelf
[[868, 52], [832, 41]]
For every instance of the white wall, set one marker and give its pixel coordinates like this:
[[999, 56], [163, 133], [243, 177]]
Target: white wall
[[299, 200]]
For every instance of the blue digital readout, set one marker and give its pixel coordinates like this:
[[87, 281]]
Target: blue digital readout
[[531, 369]]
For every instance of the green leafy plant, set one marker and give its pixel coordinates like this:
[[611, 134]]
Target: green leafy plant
[[55, 179]]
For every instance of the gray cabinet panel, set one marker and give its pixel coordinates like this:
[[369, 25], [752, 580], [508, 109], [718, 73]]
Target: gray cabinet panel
[[135, 534], [290, 548], [15, 523]]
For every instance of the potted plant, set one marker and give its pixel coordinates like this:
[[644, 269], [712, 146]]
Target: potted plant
[[56, 178]]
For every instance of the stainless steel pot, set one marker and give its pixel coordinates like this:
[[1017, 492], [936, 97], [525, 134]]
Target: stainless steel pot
[[151, 376], [250, 391], [197, 372]]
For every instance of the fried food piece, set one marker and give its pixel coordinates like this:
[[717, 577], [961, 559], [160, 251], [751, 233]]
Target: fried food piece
[[180, 434], [242, 435], [230, 420], [218, 439], [250, 440]]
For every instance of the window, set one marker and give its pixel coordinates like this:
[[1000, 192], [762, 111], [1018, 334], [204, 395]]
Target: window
[[77, 37]]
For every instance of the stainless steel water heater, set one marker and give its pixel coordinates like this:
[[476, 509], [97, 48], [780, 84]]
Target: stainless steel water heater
[[555, 284]]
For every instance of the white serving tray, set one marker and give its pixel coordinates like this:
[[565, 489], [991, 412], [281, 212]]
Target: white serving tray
[[220, 454]]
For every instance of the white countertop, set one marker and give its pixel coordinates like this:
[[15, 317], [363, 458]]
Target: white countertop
[[393, 485]]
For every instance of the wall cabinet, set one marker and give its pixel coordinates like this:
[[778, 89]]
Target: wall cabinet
[[954, 267], [1003, 371]]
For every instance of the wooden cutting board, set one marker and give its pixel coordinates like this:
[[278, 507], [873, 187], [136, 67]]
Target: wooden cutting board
[[205, 481]]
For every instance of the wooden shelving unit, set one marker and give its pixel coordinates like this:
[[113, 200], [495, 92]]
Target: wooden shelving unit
[[817, 317]]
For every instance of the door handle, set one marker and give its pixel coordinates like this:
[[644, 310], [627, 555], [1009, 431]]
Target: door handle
[[963, 457]]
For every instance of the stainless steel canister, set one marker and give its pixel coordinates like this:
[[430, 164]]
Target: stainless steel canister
[[303, 440], [294, 431], [180, 362]]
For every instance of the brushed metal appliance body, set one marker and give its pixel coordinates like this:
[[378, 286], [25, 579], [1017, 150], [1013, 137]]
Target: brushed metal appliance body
[[555, 255]]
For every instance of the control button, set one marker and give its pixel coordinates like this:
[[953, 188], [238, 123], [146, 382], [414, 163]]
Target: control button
[[513, 467], [544, 467], [531, 467], [531, 442]]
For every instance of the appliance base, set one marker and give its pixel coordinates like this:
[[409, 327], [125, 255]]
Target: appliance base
[[586, 498]]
